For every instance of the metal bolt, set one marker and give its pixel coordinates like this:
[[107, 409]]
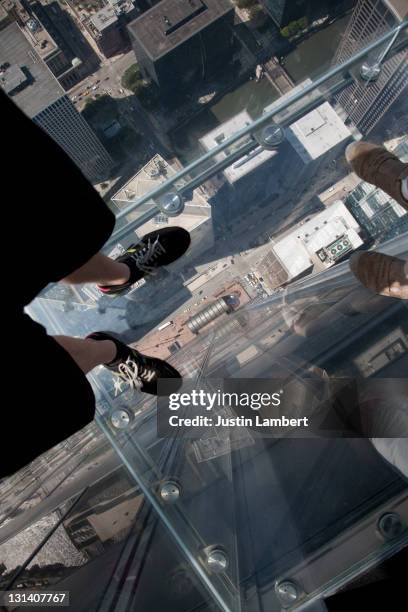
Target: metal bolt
[[287, 592], [390, 525], [170, 492], [370, 72], [217, 560], [121, 418], [171, 204], [271, 136]]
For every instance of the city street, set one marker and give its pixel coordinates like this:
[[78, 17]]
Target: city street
[[109, 76]]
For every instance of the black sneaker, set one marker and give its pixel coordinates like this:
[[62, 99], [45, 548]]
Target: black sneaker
[[136, 370], [159, 248]]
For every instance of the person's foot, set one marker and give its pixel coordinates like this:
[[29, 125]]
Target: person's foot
[[159, 248], [383, 274], [136, 370], [379, 167]]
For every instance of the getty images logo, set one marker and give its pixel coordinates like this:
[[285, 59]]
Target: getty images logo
[[219, 399]]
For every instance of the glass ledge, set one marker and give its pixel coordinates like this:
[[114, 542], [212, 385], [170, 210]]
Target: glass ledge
[[240, 520]]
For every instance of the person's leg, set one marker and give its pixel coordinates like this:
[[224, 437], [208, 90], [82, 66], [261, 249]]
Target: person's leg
[[114, 276], [100, 269], [129, 367], [88, 353]]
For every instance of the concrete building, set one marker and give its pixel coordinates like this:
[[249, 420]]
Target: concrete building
[[247, 175], [107, 31], [6, 17], [364, 104], [58, 41], [196, 217], [316, 134], [179, 43], [314, 139], [313, 142], [12, 10], [311, 246], [284, 12], [30, 84]]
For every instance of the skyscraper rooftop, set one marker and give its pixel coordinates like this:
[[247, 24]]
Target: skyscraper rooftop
[[171, 22], [317, 132], [246, 164], [40, 88], [319, 242]]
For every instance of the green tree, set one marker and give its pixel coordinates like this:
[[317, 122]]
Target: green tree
[[132, 79]]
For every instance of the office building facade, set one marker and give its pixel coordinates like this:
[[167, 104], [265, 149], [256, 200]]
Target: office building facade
[[30, 84], [364, 103]]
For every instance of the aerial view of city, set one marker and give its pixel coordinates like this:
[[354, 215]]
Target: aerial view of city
[[233, 122]]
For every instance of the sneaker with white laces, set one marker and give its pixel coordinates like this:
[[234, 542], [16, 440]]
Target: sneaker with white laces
[[137, 371], [156, 249]]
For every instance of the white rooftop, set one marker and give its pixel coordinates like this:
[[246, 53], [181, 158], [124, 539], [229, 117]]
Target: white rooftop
[[297, 249], [245, 164], [317, 132], [104, 18], [156, 171], [294, 106]]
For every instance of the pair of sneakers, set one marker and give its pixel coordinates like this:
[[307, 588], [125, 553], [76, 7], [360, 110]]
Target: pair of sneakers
[[382, 274], [130, 368]]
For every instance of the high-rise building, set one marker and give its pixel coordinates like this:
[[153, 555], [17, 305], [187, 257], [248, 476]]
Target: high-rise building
[[195, 218], [105, 28], [56, 38], [181, 42], [366, 102], [311, 246], [31, 85], [283, 12], [314, 139]]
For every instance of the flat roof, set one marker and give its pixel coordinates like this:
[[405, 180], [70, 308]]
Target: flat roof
[[40, 39], [185, 220], [317, 132], [156, 171], [104, 18], [272, 270], [281, 116], [297, 249], [42, 88], [245, 164], [170, 22]]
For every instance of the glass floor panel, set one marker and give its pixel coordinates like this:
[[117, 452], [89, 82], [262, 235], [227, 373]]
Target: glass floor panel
[[257, 517]]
